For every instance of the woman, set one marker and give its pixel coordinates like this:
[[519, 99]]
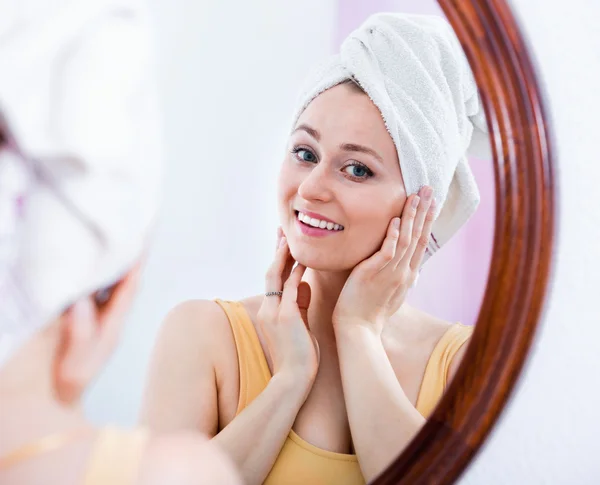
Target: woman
[[79, 174], [328, 375]]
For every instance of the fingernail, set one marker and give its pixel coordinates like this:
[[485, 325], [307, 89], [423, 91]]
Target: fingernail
[[415, 202], [282, 242], [396, 222]]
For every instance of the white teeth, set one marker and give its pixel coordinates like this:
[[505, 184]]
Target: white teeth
[[331, 226]]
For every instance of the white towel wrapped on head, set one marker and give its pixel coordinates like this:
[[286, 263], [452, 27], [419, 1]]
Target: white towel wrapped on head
[[77, 97], [414, 70]]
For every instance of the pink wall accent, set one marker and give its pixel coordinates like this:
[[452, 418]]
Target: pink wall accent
[[453, 282]]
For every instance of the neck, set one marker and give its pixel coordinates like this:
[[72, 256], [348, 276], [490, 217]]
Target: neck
[[325, 291], [30, 409], [326, 288]]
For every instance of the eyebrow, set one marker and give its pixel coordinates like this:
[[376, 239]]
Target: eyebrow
[[311, 131], [349, 147], [352, 147]]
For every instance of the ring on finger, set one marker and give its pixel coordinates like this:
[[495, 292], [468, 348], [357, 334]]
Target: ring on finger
[[274, 293]]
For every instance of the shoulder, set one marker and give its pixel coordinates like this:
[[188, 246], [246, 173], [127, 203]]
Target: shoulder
[[195, 338], [201, 315], [414, 333], [252, 305], [194, 312], [199, 330], [464, 334], [410, 341], [185, 458], [193, 323]]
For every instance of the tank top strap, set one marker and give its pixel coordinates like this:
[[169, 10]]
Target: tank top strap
[[435, 378], [253, 368], [116, 457]]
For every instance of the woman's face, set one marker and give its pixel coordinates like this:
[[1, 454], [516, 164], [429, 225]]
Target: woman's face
[[342, 174]]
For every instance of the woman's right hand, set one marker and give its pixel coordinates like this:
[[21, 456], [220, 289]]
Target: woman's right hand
[[284, 321]]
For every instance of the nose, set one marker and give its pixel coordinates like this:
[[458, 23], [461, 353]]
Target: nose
[[317, 185]]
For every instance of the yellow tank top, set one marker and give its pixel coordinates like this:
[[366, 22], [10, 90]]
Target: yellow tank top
[[299, 462], [116, 457]]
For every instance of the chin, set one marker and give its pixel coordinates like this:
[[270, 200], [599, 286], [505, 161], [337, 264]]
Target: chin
[[321, 261]]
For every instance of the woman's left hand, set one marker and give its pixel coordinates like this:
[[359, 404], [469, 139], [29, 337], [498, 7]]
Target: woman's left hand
[[378, 285]]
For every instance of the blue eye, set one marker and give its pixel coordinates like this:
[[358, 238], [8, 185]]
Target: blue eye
[[358, 171], [304, 155]]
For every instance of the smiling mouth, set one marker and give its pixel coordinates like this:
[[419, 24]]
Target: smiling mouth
[[317, 223]]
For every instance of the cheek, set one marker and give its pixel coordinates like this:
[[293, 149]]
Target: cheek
[[287, 188], [374, 218], [374, 210], [397, 207], [368, 224], [285, 183], [393, 199], [377, 229]]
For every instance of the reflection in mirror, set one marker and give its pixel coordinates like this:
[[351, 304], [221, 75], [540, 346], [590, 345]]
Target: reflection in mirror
[[313, 286]]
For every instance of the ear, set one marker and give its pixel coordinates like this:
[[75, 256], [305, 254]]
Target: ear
[[76, 341], [88, 335]]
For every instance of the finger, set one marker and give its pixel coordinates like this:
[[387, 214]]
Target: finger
[[289, 264], [279, 236], [273, 278], [317, 348], [388, 248], [406, 227], [303, 301], [426, 195], [423, 242], [287, 268], [289, 305]]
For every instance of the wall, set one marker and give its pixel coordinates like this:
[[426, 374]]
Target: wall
[[228, 87]]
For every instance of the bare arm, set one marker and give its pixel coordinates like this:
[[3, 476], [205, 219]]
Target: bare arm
[[182, 393], [181, 389], [255, 437], [383, 423], [186, 459], [382, 419]]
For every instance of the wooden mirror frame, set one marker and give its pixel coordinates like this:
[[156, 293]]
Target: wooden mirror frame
[[522, 254]]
